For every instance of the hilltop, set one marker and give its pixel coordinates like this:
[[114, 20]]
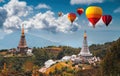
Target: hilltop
[[109, 52]]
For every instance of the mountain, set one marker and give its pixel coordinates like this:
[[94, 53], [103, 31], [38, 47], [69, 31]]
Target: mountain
[[12, 40]]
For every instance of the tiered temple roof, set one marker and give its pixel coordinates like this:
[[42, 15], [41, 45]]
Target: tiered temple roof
[[22, 46]]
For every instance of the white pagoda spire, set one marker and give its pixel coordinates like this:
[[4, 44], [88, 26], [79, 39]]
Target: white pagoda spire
[[85, 49]]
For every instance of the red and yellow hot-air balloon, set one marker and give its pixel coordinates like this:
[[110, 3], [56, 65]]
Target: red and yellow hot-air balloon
[[71, 17], [80, 11], [93, 13], [107, 19]]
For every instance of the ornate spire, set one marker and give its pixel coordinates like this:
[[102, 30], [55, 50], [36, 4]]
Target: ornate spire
[[22, 31], [4, 66], [22, 46], [85, 35], [5, 70], [85, 49]]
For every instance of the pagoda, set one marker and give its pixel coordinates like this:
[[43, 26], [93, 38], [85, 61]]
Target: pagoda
[[85, 49], [22, 46]]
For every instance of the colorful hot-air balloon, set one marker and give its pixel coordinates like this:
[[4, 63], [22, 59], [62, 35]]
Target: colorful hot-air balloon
[[60, 14], [71, 17], [93, 13], [107, 19], [80, 11]]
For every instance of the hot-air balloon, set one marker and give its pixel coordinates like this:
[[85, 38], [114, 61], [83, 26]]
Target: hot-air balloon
[[71, 17], [93, 13], [60, 14], [80, 11], [107, 19]]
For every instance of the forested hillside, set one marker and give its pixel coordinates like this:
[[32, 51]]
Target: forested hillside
[[109, 52]]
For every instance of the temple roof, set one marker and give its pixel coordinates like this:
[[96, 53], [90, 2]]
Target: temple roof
[[22, 43]]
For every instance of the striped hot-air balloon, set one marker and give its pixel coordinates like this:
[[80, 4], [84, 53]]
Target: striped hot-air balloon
[[107, 19], [71, 17], [93, 13]]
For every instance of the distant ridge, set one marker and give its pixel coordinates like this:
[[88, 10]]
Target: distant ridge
[[12, 40]]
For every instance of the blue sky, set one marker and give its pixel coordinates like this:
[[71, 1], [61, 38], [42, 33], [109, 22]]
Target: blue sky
[[43, 26]]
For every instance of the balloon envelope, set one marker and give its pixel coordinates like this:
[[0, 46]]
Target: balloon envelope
[[80, 11], [93, 13], [71, 17], [59, 14], [107, 19]]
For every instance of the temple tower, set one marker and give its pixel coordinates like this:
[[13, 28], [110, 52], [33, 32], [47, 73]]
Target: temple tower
[[22, 46], [85, 49]]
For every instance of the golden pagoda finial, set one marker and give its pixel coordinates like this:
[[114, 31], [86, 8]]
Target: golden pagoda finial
[[85, 35], [22, 29], [5, 70], [35, 71], [4, 66]]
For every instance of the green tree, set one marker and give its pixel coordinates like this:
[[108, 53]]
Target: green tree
[[40, 56], [60, 55], [111, 62]]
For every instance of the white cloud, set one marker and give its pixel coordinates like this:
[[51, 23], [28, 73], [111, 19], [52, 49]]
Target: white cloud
[[18, 8], [14, 12], [85, 1], [117, 10], [12, 22], [3, 16], [11, 14], [41, 6], [47, 21], [8, 31]]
